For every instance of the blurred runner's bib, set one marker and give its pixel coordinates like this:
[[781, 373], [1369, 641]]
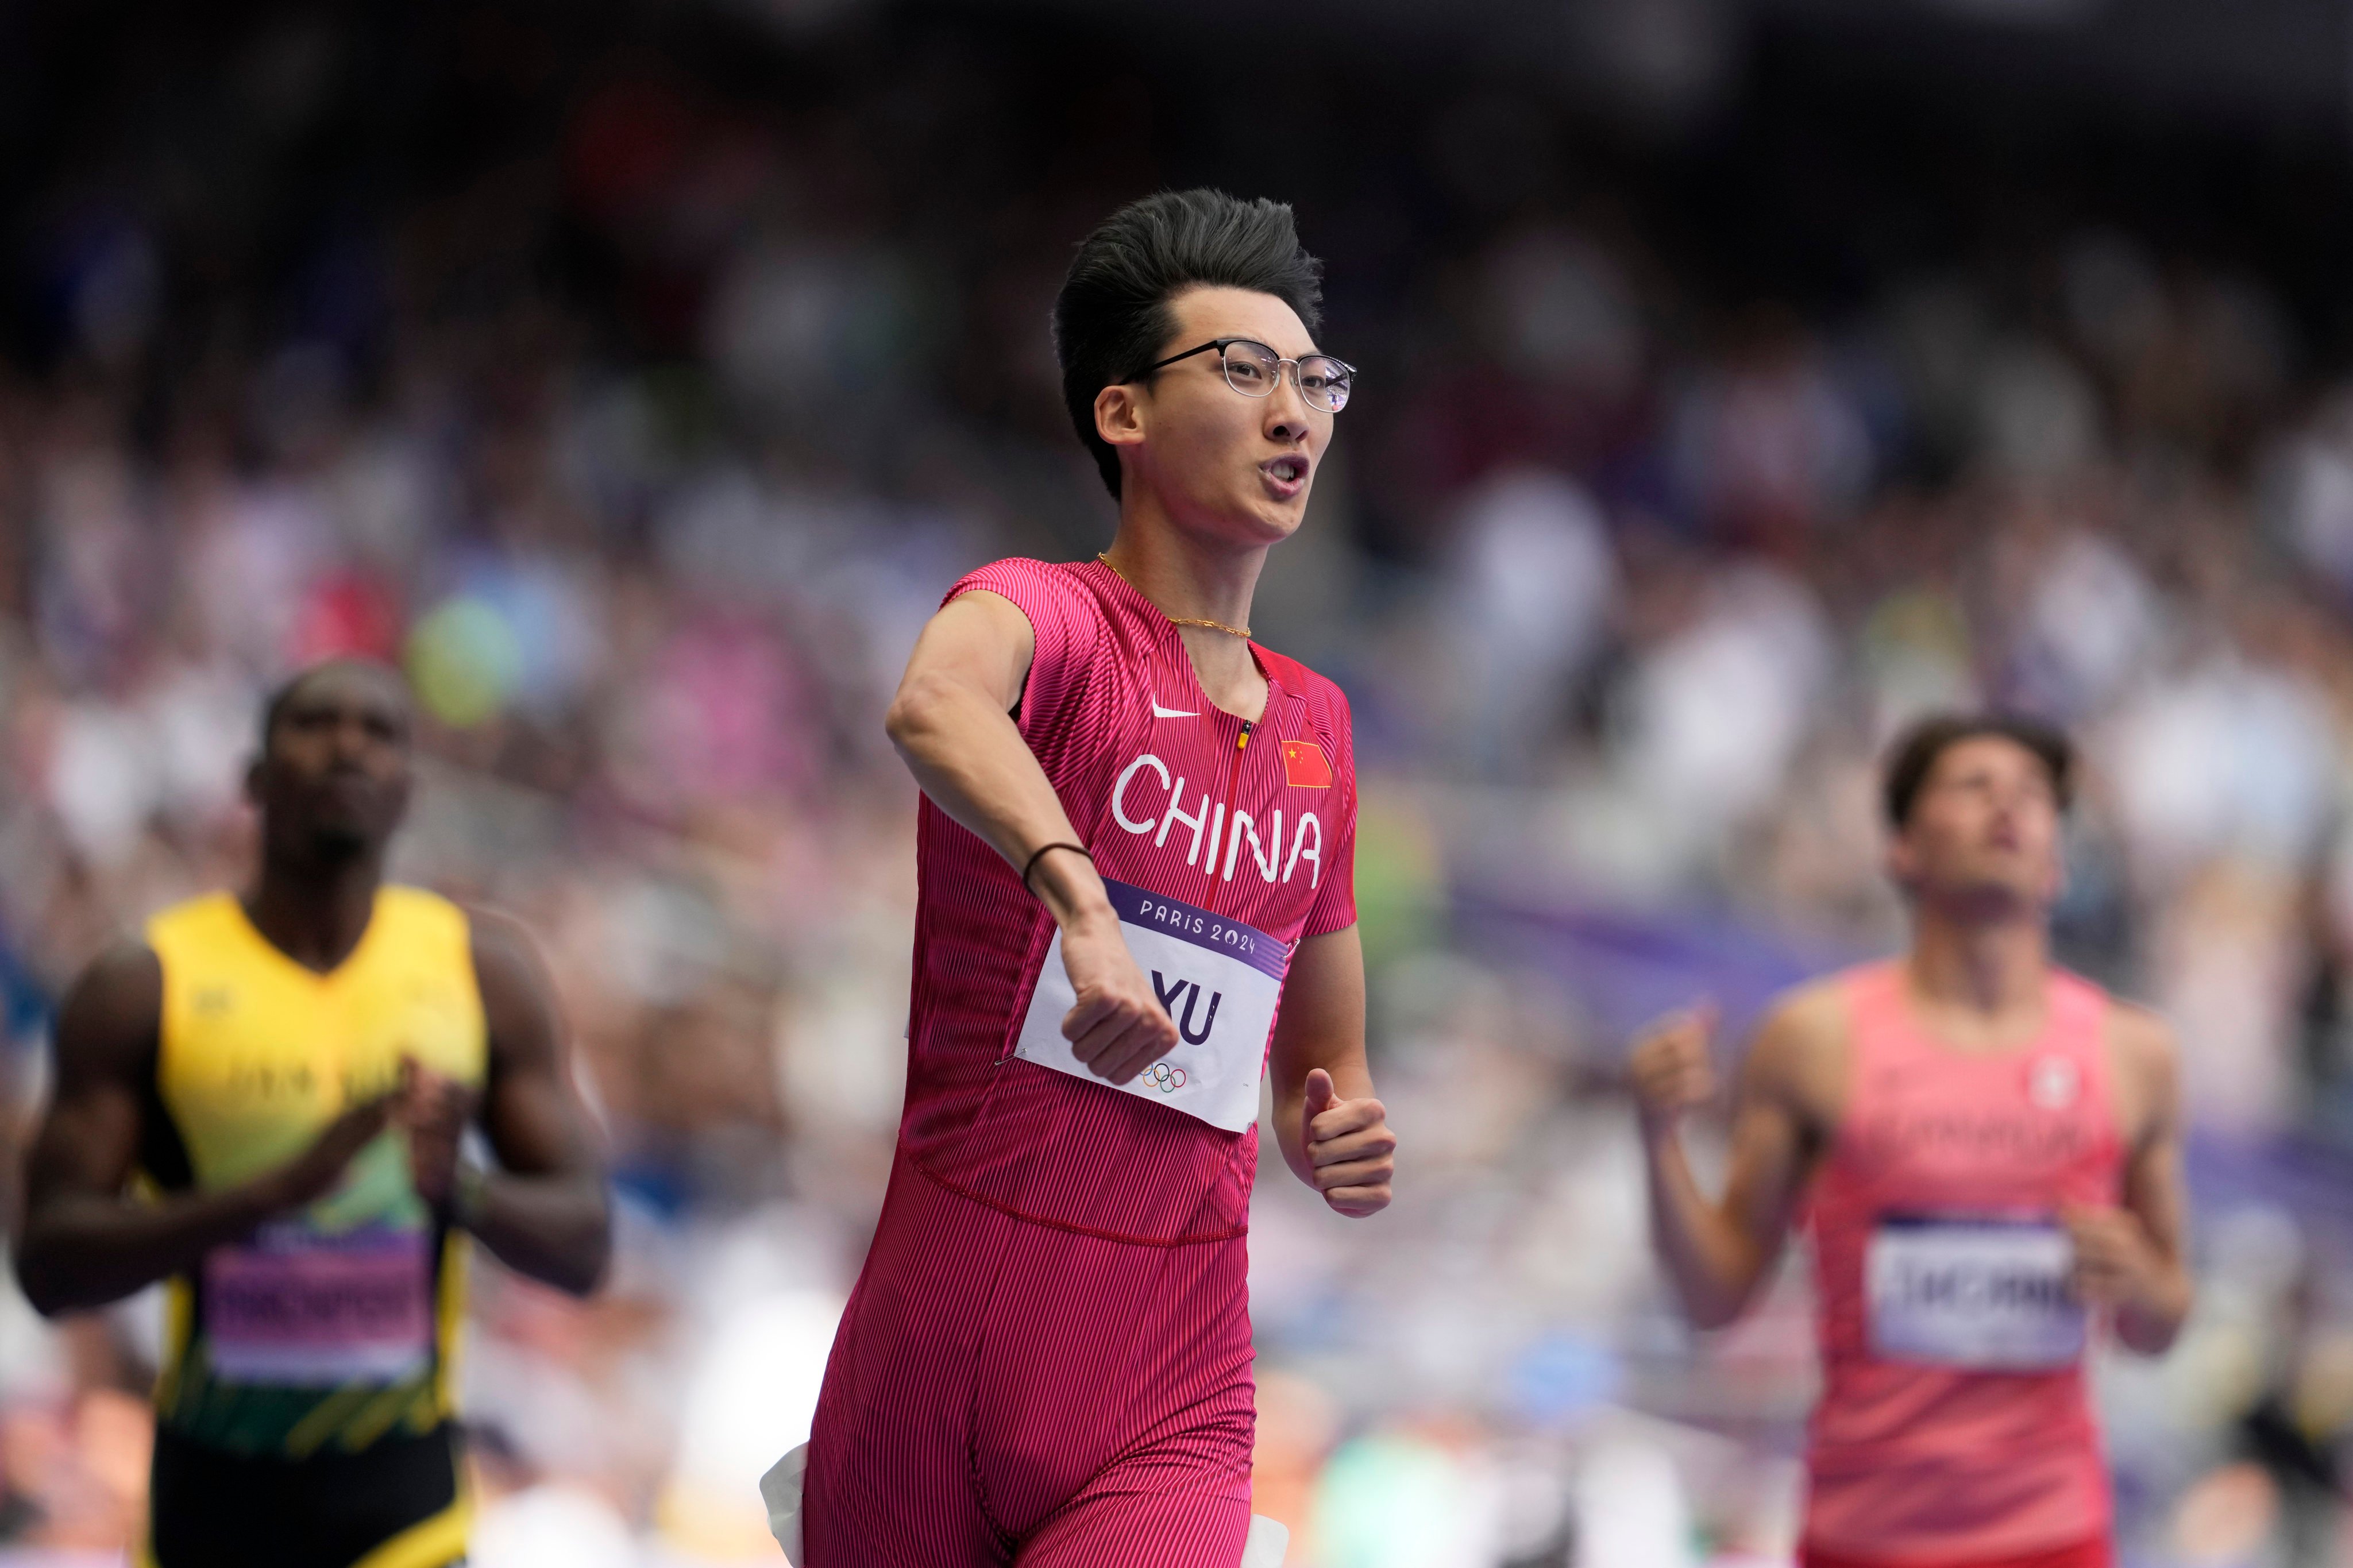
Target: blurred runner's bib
[[297, 1308], [1985, 1294], [1220, 981]]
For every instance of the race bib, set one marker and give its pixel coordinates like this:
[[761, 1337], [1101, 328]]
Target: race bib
[[1219, 979], [1986, 1294], [294, 1307]]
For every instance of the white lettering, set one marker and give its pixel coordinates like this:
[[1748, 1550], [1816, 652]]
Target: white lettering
[[1175, 800], [1119, 791], [1299, 850], [1265, 858], [1217, 836]]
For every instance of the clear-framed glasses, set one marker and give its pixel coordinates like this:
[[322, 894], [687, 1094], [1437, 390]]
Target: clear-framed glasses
[[1253, 369]]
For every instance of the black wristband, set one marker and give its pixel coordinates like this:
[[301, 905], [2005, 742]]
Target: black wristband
[[1041, 853]]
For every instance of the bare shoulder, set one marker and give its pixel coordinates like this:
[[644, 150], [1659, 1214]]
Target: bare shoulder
[[982, 624], [980, 634], [2143, 1060], [112, 1013], [2141, 1038], [1800, 1052], [518, 999], [1804, 1024], [127, 971]]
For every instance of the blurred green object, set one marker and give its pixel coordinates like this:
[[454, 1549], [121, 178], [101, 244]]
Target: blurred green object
[[465, 661], [1388, 1499]]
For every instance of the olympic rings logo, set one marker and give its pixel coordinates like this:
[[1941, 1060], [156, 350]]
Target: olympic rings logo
[[1168, 1079]]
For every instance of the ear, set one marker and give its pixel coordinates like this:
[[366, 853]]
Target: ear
[[1120, 415]]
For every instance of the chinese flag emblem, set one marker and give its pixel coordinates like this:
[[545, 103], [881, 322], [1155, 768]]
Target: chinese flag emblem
[[1304, 765]]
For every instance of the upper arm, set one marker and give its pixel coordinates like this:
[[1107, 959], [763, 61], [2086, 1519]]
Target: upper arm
[[90, 1137], [1778, 1124], [1323, 1002], [979, 639], [531, 1111], [2146, 1069]]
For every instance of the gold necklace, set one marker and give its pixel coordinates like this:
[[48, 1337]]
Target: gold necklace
[[1241, 632]]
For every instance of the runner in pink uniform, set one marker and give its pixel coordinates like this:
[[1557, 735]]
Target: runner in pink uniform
[[1988, 1149], [1136, 872]]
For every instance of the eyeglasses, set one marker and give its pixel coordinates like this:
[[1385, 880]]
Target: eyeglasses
[[1253, 370]]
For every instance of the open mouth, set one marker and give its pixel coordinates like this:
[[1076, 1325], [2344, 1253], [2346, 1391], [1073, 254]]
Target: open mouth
[[1289, 469]]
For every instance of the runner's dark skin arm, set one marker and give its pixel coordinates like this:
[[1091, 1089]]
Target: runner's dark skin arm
[[544, 1212], [85, 1243]]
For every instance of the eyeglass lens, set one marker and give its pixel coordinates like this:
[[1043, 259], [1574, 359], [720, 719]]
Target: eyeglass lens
[[1252, 369]]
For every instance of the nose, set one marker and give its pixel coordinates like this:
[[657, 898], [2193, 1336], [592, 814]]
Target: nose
[[1288, 417], [2010, 807], [352, 741]]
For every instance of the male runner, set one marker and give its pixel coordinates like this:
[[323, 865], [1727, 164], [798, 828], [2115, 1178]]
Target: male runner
[[1990, 1148], [1136, 838], [287, 1074]]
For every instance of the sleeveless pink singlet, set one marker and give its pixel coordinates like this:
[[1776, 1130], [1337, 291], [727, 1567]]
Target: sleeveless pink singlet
[[1937, 1440]]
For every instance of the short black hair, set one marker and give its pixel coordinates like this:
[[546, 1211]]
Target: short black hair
[[1113, 314], [1913, 755]]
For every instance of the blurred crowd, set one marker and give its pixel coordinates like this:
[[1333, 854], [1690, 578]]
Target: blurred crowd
[[645, 437]]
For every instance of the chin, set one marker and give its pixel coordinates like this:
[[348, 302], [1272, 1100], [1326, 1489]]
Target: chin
[[1279, 532], [1987, 893], [1273, 526], [1244, 525]]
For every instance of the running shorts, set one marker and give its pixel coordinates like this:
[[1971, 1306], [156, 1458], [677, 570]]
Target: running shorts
[[396, 1502], [1008, 1392]]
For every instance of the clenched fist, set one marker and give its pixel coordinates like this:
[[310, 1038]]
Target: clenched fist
[[1117, 1027], [435, 1110], [1671, 1069]]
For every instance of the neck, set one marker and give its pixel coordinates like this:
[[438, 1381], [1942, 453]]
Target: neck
[[1187, 579], [315, 914], [1979, 963], [1184, 576]]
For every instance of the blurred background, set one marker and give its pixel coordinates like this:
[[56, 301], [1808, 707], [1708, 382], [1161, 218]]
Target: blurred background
[[1740, 377]]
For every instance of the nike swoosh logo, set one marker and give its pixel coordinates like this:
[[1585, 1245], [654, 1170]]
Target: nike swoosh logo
[[1160, 713]]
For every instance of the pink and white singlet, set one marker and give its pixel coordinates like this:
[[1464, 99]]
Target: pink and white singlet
[[1955, 1426]]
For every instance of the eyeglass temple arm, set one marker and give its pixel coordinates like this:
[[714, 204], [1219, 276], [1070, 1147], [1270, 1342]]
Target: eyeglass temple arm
[[1217, 343]]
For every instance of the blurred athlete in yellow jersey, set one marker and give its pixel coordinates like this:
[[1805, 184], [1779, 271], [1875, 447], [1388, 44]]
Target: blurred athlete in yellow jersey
[[286, 1075]]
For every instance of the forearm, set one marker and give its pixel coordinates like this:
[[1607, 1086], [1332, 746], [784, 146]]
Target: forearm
[[85, 1250], [1713, 1266], [555, 1228]]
